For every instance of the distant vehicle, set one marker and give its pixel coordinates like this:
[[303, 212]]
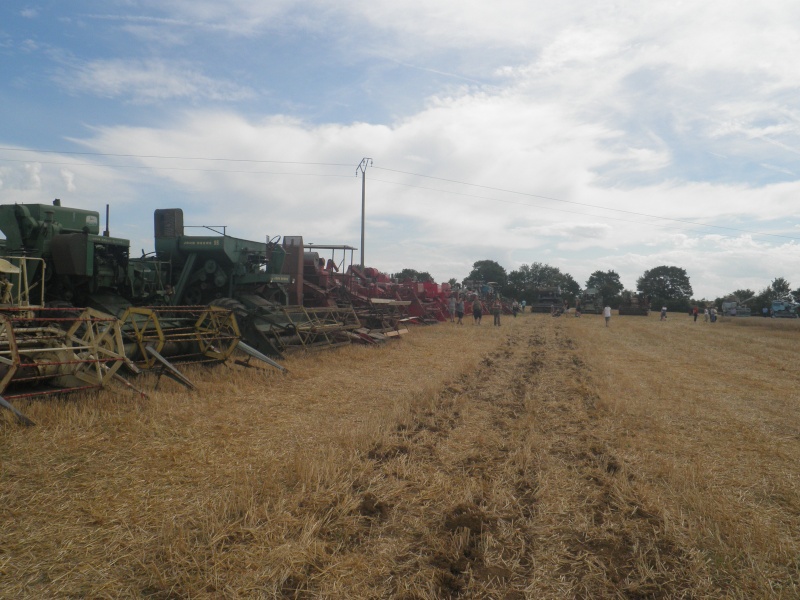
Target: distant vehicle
[[636, 304], [734, 308], [547, 299], [781, 309], [591, 301]]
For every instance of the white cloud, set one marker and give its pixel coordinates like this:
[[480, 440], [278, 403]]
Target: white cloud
[[33, 179], [68, 178], [149, 81], [254, 199]]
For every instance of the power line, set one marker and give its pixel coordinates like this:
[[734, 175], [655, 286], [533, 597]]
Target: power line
[[454, 181], [630, 212], [518, 203]]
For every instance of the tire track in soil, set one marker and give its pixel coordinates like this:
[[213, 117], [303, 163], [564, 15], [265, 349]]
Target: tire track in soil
[[539, 509], [610, 544]]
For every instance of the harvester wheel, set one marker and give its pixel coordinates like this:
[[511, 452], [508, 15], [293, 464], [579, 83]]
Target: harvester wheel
[[219, 333]]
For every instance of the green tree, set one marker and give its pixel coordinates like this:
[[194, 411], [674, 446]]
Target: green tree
[[569, 287], [489, 271], [741, 295], [781, 289], [608, 284], [668, 286], [414, 275], [525, 281]]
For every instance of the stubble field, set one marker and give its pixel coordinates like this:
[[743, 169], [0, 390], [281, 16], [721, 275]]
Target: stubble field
[[546, 458]]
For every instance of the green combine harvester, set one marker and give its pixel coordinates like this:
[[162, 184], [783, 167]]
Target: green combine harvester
[[261, 282], [197, 298], [63, 279], [591, 301]]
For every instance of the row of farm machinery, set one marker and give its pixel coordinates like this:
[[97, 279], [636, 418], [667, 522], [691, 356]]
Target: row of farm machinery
[[77, 312]]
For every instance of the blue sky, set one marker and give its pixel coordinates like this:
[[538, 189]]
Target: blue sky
[[588, 135]]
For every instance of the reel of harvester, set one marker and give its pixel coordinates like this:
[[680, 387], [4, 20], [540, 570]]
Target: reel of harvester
[[277, 330], [52, 351], [179, 333]]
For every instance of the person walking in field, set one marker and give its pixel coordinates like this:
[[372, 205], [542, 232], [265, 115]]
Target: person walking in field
[[695, 312], [477, 311], [705, 315], [607, 314], [496, 308], [663, 313], [451, 308], [460, 311]]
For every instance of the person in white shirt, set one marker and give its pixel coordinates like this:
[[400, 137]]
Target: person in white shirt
[[607, 314]]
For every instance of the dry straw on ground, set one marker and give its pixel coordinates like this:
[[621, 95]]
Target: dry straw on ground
[[547, 458]]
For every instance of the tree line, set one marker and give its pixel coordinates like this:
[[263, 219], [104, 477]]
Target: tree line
[[663, 285]]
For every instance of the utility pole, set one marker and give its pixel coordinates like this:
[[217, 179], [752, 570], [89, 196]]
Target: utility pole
[[362, 166]]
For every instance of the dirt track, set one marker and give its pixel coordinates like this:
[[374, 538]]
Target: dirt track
[[548, 514]]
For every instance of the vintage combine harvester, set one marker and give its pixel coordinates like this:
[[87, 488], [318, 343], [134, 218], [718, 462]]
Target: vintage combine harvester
[[74, 266], [427, 300], [377, 301], [591, 301], [547, 299], [261, 282], [634, 304], [783, 309], [733, 307]]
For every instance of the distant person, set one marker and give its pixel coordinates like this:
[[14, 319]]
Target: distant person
[[765, 312], [695, 312], [705, 315], [477, 311], [514, 308], [451, 308], [713, 315], [663, 313], [523, 306], [607, 314], [460, 311], [496, 308], [6, 297]]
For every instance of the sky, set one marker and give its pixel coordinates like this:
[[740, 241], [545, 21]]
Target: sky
[[586, 135]]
